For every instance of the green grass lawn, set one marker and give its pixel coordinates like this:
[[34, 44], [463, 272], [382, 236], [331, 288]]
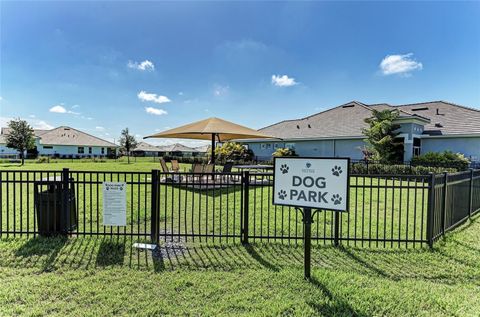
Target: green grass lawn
[[107, 277], [139, 164]]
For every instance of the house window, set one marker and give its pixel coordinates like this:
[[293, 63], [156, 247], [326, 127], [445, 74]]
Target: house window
[[290, 146], [103, 150], [269, 145], [417, 145], [276, 146], [47, 147], [90, 150], [263, 146], [81, 150]]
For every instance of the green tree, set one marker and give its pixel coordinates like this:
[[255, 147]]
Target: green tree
[[127, 142], [20, 137], [381, 134]]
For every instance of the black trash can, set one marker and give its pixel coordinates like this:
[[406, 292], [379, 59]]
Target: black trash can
[[55, 206]]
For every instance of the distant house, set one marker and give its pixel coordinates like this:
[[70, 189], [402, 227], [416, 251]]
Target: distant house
[[63, 142], [424, 127], [177, 149], [145, 149]]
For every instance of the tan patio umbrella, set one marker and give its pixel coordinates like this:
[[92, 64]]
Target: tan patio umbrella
[[213, 129]]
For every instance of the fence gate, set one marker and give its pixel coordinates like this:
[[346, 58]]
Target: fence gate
[[196, 206]]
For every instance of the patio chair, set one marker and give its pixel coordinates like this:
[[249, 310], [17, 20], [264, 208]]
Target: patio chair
[[175, 166], [196, 169], [227, 169], [208, 169], [164, 166]]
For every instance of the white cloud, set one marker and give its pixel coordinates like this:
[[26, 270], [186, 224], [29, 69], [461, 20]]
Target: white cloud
[[40, 124], [155, 111], [61, 109], [58, 109], [146, 65], [180, 93], [32, 116], [399, 64], [283, 81], [144, 96], [100, 128], [219, 90], [35, 123], [75, 106]]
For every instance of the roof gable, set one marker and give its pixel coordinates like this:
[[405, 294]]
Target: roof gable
[[68, 136], [346, 120], [446, 118]]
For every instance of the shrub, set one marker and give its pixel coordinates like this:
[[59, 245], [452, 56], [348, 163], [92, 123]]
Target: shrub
[[397, 169], [42, 159], [233, 151], [446, 159], [281, 152]]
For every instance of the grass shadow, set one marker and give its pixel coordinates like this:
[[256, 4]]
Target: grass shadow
[[334, 306], [42, 249], [110, 253], [260, 259]]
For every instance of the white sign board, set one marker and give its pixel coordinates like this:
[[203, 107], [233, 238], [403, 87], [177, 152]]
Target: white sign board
[[114, 204], [320, 183]]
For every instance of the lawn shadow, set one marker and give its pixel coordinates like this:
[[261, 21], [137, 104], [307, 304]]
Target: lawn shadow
[[260, 258], [334, 306], [110, 253], [42, 250]]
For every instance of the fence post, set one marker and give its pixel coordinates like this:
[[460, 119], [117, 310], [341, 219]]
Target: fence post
[[65, 193], [431, 209], [246, 199], [336, 228], [470, 195], [154, 234], [444, 207]]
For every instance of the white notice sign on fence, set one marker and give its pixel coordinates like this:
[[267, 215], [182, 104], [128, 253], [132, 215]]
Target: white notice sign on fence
[[114, 204]]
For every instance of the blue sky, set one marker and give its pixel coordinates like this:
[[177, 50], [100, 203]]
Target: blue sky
[[103, 66]]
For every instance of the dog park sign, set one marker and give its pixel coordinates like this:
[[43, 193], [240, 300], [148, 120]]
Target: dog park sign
[[311, 183], [319, 183]]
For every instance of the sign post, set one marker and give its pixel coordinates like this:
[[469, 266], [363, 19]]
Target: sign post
[[311, 183]]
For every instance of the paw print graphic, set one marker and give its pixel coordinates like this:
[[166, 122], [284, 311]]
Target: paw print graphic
[[337, 200], [284, 168], [336, 170], [282, 194]]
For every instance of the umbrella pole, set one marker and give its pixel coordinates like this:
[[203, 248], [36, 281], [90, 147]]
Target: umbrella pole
[[213, 155], [213, 150]]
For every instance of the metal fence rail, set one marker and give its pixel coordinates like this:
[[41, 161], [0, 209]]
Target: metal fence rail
[[384, 211], [455, 198]]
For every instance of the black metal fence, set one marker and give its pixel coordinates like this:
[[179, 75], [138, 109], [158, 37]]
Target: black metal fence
[[454, 198], [385, 210]]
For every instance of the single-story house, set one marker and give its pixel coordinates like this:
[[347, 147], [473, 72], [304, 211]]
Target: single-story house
[[424, 127], [177, 149], [63, 142], [145, 149]]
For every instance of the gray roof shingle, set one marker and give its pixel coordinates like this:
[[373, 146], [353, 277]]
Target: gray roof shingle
[[177, 147], [348, 120]]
